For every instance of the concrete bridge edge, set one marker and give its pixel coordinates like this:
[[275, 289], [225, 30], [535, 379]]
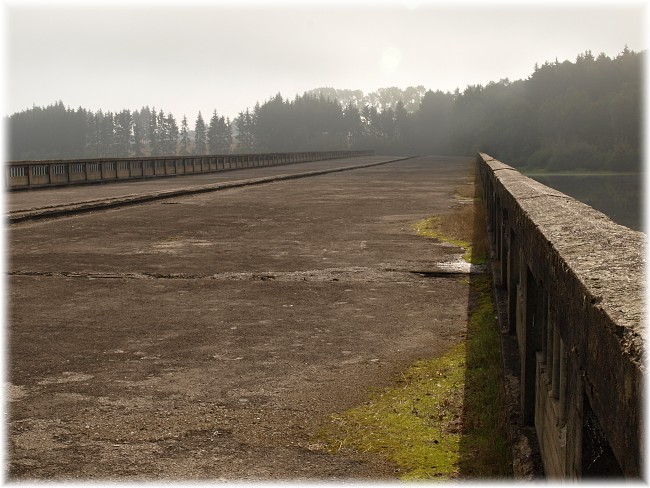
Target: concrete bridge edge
[[523, 421]]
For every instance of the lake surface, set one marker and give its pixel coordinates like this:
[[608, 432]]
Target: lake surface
[[620, 197]]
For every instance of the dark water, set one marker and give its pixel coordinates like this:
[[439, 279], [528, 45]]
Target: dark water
[[617, 196]]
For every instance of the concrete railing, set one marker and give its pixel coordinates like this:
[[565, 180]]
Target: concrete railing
[[574, 284], [35, 174]]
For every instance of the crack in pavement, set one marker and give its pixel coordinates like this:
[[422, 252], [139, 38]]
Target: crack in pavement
[[348, 274]]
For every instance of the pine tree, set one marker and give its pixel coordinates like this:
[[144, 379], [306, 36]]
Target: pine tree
[[154, 144], [172, 135], [213, 134], [199, 136], [137, 140], [123, 133], [162, 134], [93, 135], [107, 131], [224, 135], [142, 119], [185, 138], [255, 127], [245, 129]]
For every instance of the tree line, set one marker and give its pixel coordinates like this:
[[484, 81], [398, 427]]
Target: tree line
[[584, 114]]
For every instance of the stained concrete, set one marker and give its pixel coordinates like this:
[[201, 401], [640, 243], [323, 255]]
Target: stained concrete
[[209, 336], [575, 273]]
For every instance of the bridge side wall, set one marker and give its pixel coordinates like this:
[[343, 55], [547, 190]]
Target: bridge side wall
[[24, 175], [574, 283]]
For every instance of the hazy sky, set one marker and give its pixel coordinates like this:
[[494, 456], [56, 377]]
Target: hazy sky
[[191, 56]]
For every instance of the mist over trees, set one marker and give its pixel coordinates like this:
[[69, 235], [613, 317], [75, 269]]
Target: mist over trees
[[584, 114]]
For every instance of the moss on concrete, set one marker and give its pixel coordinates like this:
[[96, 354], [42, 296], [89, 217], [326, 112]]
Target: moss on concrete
[[431, 227], [412, 423], [464, 226], [442, 417]]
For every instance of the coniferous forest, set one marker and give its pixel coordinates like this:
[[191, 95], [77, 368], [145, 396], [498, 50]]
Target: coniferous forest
[[566, 115]]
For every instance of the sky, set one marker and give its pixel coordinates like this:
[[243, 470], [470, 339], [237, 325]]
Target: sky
[[191, 56]]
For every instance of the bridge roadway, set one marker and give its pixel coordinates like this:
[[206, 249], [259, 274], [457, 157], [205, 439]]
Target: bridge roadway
[[19, 202], [207, 337]]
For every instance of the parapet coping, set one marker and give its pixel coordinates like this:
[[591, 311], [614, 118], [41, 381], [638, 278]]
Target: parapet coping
[[606, 258]]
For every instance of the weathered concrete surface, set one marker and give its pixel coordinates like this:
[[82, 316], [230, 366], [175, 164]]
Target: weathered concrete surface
[[208, 336], [20, 202], [52, 211], [578, 280]]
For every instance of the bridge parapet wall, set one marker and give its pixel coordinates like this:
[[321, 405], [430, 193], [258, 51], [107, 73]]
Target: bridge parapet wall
[[574, 282], [24, 175]]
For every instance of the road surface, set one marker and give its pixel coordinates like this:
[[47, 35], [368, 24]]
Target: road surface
[[208, 337]]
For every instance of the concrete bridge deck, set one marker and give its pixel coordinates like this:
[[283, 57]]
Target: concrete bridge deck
[[47, 198], [208, 336]]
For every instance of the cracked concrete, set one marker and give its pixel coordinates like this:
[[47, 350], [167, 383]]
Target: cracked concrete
[[210, 339], [347, 274]]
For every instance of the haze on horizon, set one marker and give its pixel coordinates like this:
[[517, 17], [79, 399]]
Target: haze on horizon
[[186, 57]]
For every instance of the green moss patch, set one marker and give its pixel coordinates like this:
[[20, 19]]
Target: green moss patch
[[431, 227], [459, 229], [411, 424], [464, 226], [442, 418]]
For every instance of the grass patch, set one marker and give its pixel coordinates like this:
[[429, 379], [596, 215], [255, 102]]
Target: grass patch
[[485, 450]]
